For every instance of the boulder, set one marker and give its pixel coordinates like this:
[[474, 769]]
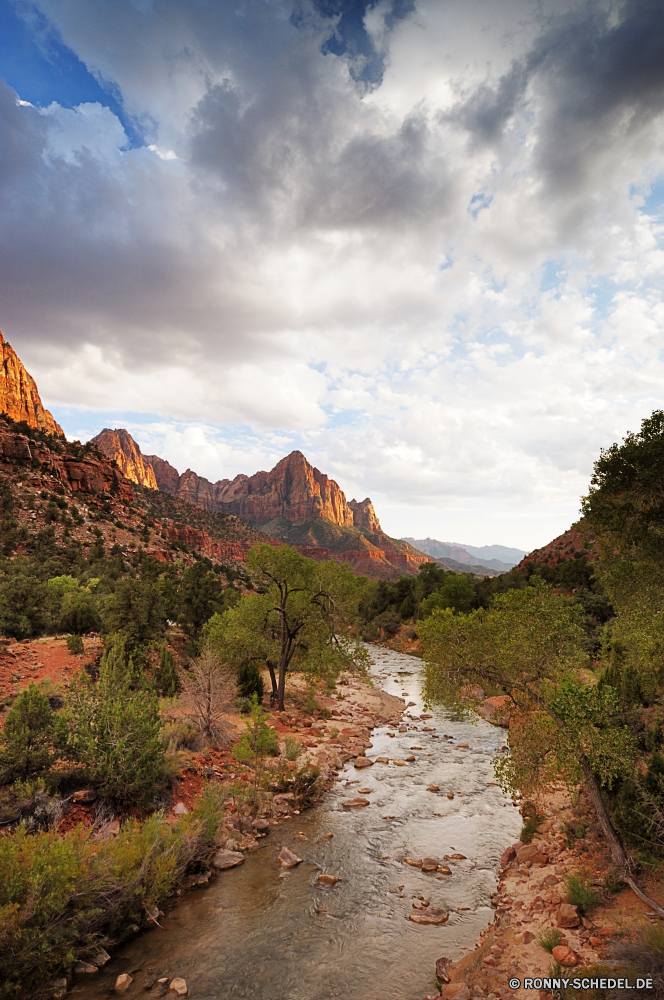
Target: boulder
[[399, 763], [529, 852], [429, 865], [450, 795], [409, 760], [84, 967], [441, 969], [123, 982], [432, 915], [564, 955], [415, 862], [59, 989], [180, 809], [179, 987], [455, 991], [101, 958], [363, 762], [84, 797], [508, 855], [288, 859], [227, 859], [444, 870], [568, 915], [382, 760], [354, 803], [433, 788], [328, 879], [527, 937]]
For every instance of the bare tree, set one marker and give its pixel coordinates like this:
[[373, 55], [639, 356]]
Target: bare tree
[[208, 689]]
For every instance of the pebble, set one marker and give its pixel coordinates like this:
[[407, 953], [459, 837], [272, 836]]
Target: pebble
[[433, 788], [179, 987], [329, 879], [123, 982], [353, 803]]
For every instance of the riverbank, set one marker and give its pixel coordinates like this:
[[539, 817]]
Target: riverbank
[[537, 931]]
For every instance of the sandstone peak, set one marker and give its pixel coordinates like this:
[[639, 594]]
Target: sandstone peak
[[19, 396], [119, 446]]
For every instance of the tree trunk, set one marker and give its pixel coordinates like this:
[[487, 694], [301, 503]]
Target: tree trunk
[[273, 679], [618, 853], [282, 686]]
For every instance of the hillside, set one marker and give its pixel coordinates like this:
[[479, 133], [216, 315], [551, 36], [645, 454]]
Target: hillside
[[473, 556]]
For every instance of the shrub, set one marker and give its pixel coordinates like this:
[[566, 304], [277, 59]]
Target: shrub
[[529, 829], [250, 682], [63, 897], [27, 736], [166, 677], [549, 939], [293, 748], [580, 894], [75, 643]]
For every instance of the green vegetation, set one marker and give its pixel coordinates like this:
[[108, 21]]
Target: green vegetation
[[529, 829], [27, 736], [580, 894], [549, 939]]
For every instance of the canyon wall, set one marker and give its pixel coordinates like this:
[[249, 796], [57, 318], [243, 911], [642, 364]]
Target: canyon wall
[[19, 396], [120, 446]]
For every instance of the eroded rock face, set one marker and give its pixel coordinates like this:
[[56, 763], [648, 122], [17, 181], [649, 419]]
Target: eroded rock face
[[119, 446], [19, 396]]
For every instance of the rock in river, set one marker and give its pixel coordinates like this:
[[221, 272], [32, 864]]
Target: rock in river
[[179, 987], [227, 859], [123, 982], [353, 803], [363, 762], [429, 865], [433, 915], [288, 859], [328, 879]]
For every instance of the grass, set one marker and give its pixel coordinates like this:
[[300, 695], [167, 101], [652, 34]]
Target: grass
[[580, 894], [529, 829], [549, 939]]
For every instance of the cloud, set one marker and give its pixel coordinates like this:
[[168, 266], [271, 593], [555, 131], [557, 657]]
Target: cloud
[[408, 237]]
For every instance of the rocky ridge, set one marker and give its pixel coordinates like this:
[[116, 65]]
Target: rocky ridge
[[577, 541], [120, 446], [19, 396]]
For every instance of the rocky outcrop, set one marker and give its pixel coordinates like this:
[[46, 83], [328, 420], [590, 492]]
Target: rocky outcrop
[[201, 542], [167, 477], [19, 396], [77, 467], [120, 447], [364, 515]]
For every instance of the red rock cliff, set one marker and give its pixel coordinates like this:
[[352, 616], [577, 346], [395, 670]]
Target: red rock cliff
[[19, 396], [119, 446]]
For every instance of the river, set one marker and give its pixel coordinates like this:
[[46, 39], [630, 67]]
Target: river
[[258, 931]]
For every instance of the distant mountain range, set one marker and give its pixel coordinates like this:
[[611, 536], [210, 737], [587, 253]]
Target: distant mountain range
[[500, 558]]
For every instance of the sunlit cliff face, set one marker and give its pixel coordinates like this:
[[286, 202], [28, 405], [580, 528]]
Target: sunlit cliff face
[[419, 240]]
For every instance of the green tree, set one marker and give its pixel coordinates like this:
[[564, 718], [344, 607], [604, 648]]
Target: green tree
[[530, 646], [166, 677], [135, 611], [113, 732], [300, 620], [27, 736], [22, 606], [201, 594], [258, 741]]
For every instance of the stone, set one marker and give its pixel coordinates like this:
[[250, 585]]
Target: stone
[[123, 982], [227, 859], [101, 958], [288, 859], [410, 759], [365, 791], [327, 836], [429, 865], [508, 855], [84, 797], [564, 955], [462, 746], [329, 879], [300, 836], [527, 937], [433, 788], [568, 915], [432, 915], [444, 870], [355, 803], [529, 852], [399, 763], [84, 967], [455, 991], [262, 825], [450, 795], [59, 989], [179, 987], [441, 969], [180, 809], [415, 862], [455, 857], [382, 760], [363, 762]]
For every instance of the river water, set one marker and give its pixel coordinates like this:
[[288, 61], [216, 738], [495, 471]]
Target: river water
[[258, 931]]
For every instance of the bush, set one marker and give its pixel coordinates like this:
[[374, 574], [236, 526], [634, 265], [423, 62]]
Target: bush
[[549, 939], [64, 897], [27, 736], [114, 733], [293, 748], [75, 644], [250, 682], [529, 829], [166, 677], [580, 894]]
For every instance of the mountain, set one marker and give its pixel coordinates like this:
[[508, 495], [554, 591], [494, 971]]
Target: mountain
[[577, 541], [293, 502], [19, 396], [468, 554], [127, 455]]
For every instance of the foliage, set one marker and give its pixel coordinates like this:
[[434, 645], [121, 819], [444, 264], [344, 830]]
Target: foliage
[[136, 613], [299, 619], [165, 676], [201, 594], [529, 829], [112, 732], [64, 897], [258, 740], [250, 682], [580, 894], [27, 735], [22, 606], [292, 748], [549, 938], [638, 809], [75, 644]]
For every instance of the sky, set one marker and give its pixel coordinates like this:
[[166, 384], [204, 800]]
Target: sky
[[420, 240]]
